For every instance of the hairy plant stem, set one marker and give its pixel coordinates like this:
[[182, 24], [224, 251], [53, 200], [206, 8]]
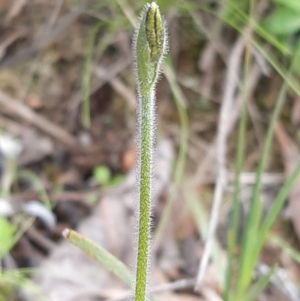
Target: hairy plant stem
[[149, 48], [147, 130]]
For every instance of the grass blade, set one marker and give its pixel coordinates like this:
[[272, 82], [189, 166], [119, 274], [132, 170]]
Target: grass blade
[[245, 274], [258, 287], [277, 205], [86, 78], [107, 260]]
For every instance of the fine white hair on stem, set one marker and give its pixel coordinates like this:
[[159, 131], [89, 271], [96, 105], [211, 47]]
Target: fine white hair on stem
[[149, 48]]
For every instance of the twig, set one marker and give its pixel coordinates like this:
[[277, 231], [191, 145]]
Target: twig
[[116, 83], [231, 84], [23, 111], [104, 77], [37, 60], [280, 280], [14, 11], [248, 178], [40, 239], [201, 174], [253, 79], [45, 40]]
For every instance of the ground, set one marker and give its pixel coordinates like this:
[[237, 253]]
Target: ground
[[67, 96]]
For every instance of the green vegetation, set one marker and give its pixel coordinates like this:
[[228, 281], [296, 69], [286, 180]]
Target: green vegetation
[[7, 236], [102, 175], [14, 225], [271, 41], [149, 49], [238, 283]]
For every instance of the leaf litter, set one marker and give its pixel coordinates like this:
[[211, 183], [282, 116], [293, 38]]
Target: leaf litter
[[41, 66]]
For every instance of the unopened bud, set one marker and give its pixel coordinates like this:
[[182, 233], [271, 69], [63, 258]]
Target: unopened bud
[[154, 31], [149, 47]]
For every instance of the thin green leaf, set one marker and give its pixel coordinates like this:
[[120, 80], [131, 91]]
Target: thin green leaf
[[258, 287], [249, 249], [7, 236], [277, 205], [37, 184], [87, 73], [283, 21], [18, 279], [246, 19], [234, 220], [292, 4], [273, 61], [287, 248], [243, 279], [107, 260], [252, 241]]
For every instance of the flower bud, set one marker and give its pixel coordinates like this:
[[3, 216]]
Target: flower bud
[[154, 31], [149, 47]]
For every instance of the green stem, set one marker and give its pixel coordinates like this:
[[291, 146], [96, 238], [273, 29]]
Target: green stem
[[147, 129], [149, 48]]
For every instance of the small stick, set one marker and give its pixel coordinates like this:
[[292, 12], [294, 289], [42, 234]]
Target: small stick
[[231, 84], [20, 109]]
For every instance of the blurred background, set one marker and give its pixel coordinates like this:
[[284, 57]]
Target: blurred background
[[67, 142]]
